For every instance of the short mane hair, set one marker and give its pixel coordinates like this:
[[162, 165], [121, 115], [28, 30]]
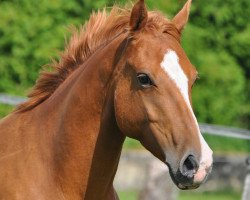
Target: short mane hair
[[101, 27]]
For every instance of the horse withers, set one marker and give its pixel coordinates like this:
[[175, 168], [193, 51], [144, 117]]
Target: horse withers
[[124, 74]]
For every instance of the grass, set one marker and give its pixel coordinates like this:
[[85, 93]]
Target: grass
[[218, 195], [132, 144], [128, 195], [189, 195], [227, 145], [217, 143]]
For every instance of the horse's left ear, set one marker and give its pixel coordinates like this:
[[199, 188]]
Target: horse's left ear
[[181, 18], [139, 16]]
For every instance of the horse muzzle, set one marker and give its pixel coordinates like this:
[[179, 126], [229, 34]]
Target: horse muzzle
[[191, 174]]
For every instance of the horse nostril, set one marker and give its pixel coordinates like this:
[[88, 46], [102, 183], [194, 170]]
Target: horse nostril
[[190, 166]]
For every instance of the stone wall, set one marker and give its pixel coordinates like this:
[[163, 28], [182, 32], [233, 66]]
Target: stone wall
[[139, 170]]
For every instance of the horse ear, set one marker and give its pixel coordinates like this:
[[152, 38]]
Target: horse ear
[[139, 16], [181, 18]]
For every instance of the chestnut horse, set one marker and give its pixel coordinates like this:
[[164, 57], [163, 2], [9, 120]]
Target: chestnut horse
[[124, 74]]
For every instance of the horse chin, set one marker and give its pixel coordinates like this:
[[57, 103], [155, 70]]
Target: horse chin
[[182, 187], [181, 182]]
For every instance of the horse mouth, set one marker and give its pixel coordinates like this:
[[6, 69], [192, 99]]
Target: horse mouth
[[185, 182]]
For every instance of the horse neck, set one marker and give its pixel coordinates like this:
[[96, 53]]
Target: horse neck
[[87, 143]]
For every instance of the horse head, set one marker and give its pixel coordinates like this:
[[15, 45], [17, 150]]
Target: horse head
[[153, 95]]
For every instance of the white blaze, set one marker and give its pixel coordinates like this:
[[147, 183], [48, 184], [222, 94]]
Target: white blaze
[[171, 66]]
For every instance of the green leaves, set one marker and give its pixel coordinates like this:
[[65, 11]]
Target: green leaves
[[30, 35], [219, 95], [217, 41], [220, 35]]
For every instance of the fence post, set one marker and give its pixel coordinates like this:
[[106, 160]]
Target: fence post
[[246, 192]]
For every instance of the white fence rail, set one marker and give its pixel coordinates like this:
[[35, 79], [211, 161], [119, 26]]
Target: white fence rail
[[11, 100], [225, 131]]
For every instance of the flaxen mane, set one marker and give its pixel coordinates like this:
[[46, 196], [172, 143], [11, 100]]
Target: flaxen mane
[[101, 28]]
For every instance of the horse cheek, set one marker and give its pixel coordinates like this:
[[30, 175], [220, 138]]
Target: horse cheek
[[128, 111]]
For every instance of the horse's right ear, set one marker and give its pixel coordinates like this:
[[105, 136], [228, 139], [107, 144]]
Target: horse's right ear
[[139, 16], [181, 18]]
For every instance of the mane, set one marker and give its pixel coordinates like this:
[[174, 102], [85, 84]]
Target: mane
[[97, 31]]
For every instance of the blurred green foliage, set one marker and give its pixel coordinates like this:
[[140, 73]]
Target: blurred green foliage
[[219, 44], [4, 110], [217, 41]]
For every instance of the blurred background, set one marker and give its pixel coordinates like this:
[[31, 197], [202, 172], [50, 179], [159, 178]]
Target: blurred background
[[217, 41]]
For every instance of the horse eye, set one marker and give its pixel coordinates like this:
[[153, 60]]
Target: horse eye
[[144, 80]]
